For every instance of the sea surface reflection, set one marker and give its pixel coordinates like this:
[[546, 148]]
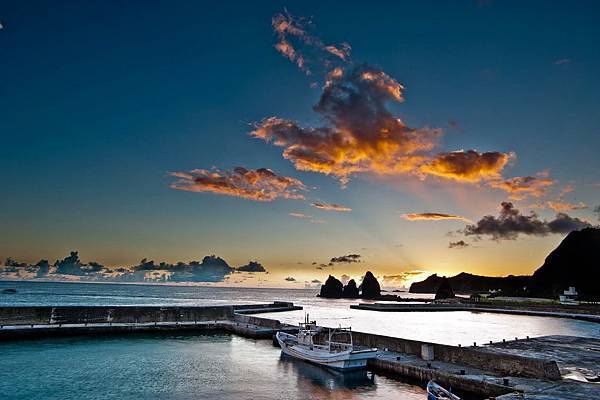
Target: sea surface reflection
[[177, 367]]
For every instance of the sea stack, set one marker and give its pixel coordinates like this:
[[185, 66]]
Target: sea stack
[[332, 288], [444, 290], [370, 287], [350, 290]]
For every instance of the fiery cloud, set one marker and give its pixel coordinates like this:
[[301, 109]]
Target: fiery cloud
[[522, 187], [331, 207], [432, 217], [510, 223], [261, 184], [468, 166], [360, 135]]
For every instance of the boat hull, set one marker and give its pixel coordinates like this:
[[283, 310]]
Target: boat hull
[[344, 361]]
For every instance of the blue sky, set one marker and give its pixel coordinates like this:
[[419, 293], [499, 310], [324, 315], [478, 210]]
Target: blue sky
[[100, 102]]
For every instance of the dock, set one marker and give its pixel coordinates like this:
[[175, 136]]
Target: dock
[[556, 312]]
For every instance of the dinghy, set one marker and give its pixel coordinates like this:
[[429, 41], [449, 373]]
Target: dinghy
[[436, 392], [331, 348]]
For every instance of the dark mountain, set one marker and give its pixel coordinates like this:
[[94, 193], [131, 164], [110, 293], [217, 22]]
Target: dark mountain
[[575, 262], [468, 283]]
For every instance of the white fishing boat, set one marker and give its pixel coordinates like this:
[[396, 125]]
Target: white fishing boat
[[436, 392], [329, 347]]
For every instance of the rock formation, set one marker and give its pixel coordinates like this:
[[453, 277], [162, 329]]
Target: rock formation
[[332, 289], [350, 291], [370, 288], [444, 291]]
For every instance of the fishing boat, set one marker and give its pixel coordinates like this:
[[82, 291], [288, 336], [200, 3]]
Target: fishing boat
[[436, 392], [328, 347]]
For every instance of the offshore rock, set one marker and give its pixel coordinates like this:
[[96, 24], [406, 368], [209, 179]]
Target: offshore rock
[[350, 291], [370, 287], [332, 289], [445, 290]]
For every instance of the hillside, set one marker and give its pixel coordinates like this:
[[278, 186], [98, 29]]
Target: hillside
[[575, 262]]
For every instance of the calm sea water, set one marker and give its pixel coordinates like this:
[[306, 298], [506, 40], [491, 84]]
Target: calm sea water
[[177, 367], [224, 366]]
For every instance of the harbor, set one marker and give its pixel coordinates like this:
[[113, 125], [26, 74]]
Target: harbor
[[555, 367]]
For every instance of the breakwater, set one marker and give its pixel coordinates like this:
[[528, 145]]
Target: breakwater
[[38, 322], [474, 307]]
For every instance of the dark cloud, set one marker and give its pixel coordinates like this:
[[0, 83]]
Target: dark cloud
[[290, 279], [252, 266], [261, 184], [210, 269], [348, 259], [564, 223], [461, 244], [315, 281], [510, 223]]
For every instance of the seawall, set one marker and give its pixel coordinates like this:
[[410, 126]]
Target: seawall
[[497, 309]]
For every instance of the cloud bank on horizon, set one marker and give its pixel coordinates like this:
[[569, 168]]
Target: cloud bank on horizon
[[211, 269]]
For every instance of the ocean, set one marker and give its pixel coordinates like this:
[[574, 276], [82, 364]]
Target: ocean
[[225, 366]]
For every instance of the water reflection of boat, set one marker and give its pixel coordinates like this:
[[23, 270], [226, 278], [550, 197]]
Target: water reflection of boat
[[332, 348], [330, 378], [436, 392]]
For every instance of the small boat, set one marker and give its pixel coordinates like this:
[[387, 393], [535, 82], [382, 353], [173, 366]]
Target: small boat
[[436, 392], [331, 348]]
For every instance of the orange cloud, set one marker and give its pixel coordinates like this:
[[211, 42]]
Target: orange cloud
[[467, 166], [331, 207], [261, 184], [522, 187], [361, 134], [432, 217], [560, 205]]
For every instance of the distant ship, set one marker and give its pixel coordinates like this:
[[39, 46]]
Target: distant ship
[[335, 348]]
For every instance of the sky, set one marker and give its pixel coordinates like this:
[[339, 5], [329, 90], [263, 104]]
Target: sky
[[415, 137]]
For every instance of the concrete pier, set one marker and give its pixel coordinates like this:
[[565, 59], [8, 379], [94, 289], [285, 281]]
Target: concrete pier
[[432, 307], [38, 322]]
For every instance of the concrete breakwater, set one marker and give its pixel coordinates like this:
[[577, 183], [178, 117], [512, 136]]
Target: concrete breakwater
[[474, 307], [38, 322]]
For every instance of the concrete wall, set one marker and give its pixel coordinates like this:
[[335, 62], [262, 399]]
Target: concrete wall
[[77, 315], [259, 321], [476, 357]]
